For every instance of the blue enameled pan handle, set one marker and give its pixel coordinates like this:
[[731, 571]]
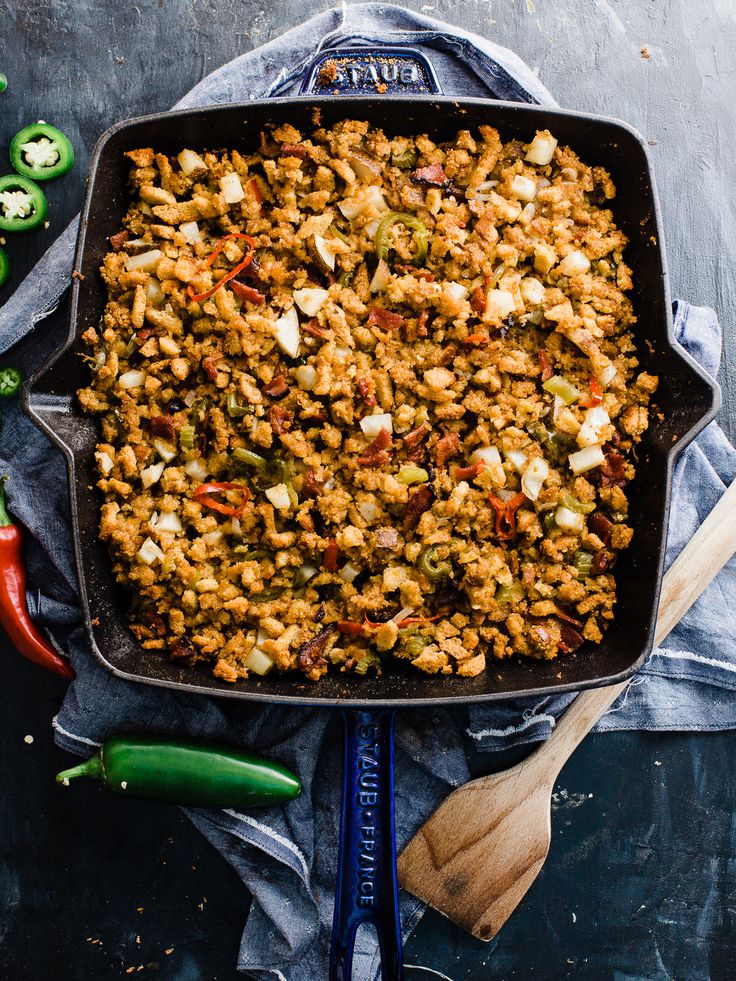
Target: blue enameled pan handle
[[366, 889]]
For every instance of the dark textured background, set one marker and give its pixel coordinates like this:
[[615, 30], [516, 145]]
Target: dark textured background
[[641, 880]]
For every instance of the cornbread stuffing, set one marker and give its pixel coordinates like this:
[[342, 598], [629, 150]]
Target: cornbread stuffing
[[366, 399]]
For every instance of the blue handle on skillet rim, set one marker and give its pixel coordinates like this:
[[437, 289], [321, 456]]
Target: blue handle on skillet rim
[[367, 890]]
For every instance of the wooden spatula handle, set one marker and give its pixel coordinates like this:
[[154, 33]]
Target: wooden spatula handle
[[695, 567]]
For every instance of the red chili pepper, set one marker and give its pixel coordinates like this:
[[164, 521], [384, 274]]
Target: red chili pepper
[[247, 293], [349, 627], [468, 473], [545, 365], [198, 297], [478, 301], [329, 560], [219, 488], [14, 616], [477, 340], [407, 621], [506, 514]]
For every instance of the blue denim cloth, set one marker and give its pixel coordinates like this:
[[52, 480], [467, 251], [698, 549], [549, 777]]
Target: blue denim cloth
[[286, 856]]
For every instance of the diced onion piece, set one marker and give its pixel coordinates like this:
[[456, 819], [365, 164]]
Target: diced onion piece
[[104, 461], [368, 511], [348, 573], [151, 475], [402, 614], [168, 346], [196, 469], [304, 573], [287, 332], [528, 212], [586, 459], [596, 419], [350, 208], [518, 459], [306, 376], [168, 521], [189, 161], [329, 485], [190, 398], [574, 264], [154, 293], [324, 251], [381, 277], [482, 191], [132, 379], [371, 228], [232, 189], [279, 497], [372, 425], [212, 538], [562, 388], [569, 520], [369, 197], [456, 291], [607, 374], [310, 301], [542, 148], [164, 449], [146, 261], [342, 352], [524, 188], [149, 552], [499, 304], [190, 231], [258, 662], [534, 476], [364, 166], [532, 291], [491, 458], [557, 405]]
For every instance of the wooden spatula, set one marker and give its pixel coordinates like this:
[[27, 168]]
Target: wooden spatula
[[475, 858]]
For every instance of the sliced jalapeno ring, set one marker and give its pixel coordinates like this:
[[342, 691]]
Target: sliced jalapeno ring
[[41, 152], [3, 82], [22, 204], [4, 267], [10, 382]]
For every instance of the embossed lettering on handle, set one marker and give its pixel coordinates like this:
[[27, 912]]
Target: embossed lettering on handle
[[366, 889], [371, 71]]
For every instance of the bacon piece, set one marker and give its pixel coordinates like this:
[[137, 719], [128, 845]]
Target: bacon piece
[[567, 618], [182, 650], [612, 471], [329, 559], [154, 623], [312, 327], [545, 365], [447, 356], [385, 319], [602, 562], [601, 526], [422, 321], [386, 538], [446, 448], [424, 274], [279, 419], [311, 653], [478, 301], [570, 639], [366, 389], [293, 150], [420, 501], [163, 426], [209, 366], [468, 473], [432, 176], [277, 388], [118, 240], [310, 485], [247, 293], [418, 435], [375, 454]]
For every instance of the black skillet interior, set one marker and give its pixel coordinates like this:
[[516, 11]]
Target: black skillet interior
[[686, 398]]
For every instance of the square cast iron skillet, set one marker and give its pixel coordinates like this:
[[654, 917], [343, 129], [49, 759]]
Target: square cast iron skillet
[[686, 398]]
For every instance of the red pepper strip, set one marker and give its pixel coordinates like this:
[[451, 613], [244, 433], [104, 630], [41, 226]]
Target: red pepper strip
[[247, 293], [596, 394], [14, 616], [329, 560], [349, 627], [506, 514], [405, 622], [545, 365], [477, 340], [257, 194], [198, 297], [219, 488], [568, 619], [468, 473]]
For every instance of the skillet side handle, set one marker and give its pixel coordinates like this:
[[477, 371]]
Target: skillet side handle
[[366, 70], [367, 890]]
